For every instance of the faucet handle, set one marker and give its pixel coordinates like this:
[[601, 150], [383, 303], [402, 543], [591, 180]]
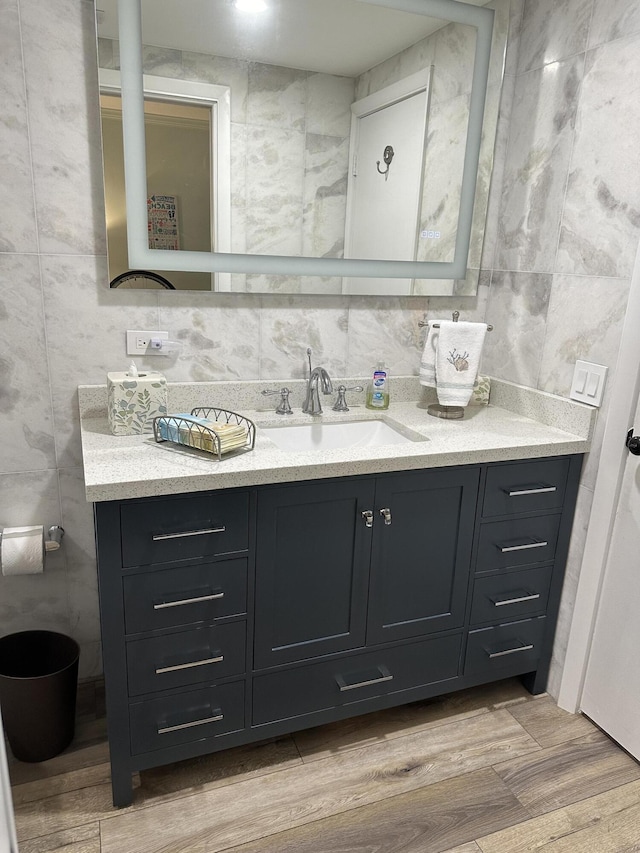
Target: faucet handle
[[283, 407], [341, 403]]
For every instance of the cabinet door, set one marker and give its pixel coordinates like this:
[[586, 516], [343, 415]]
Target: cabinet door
[[312, 559], [421, 552]]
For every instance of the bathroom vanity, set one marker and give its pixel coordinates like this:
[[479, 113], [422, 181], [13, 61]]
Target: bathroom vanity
[[235, 613]]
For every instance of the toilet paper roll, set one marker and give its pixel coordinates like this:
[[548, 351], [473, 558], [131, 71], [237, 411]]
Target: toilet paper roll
[[22, 550]]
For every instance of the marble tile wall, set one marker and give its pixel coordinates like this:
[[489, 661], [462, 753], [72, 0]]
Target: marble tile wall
[[569, 215], [60, 326]]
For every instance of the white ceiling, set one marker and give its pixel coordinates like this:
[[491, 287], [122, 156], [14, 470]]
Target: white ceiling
[[344, 37]]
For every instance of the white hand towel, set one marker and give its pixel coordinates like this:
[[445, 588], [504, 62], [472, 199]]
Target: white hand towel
[[428, 359], [458, 354]]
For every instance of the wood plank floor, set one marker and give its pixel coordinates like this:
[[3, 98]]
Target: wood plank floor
[[488, 770]]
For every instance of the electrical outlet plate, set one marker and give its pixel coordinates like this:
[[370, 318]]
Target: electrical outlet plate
[[139, 342], [588, 383]]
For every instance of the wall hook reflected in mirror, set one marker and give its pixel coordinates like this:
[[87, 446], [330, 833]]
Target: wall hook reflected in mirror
[[387, 156]]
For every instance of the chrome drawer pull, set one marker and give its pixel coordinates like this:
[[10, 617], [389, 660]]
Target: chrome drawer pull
[[385, 675], [163, 669], [534, 490], [158, 537], [166, 729], [510, 651], [344, 687], [528, 597], [504, 549], [182, 601], [386, 514], [368, 517]]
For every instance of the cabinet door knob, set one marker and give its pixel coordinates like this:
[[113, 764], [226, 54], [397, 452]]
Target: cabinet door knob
[[386, 514], [368, 517]]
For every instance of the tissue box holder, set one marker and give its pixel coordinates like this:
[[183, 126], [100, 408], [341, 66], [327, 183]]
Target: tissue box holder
[[193, 430], [133, 402]]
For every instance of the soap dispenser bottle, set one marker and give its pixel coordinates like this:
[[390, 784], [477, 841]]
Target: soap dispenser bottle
[[378, 390]]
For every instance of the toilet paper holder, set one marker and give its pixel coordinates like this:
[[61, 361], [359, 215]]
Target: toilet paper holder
[[54, 537]]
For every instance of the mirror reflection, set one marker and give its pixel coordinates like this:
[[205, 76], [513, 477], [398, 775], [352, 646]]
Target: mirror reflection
[[179, 204], [355, 152]]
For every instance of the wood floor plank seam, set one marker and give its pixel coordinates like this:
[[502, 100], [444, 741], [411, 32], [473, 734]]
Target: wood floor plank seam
[[548, 724], [99, 795], [310, 758], [514, 776], [30, 792], [562, 830], [568, 773], [84, 839], [22, 841], [310, 790], [410, 734], [478, 797], [347, 734]]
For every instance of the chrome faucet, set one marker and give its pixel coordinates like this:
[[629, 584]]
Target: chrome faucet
[[311, 405]]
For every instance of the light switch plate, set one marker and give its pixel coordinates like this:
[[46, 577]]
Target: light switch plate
[[588, 383]]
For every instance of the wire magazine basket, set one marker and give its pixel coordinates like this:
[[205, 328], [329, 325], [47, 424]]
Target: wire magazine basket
[[208, 428]]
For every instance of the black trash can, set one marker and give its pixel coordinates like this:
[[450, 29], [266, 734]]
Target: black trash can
[[38, 687]]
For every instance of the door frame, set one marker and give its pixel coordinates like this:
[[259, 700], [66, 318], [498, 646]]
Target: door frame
[[611, 464], [217, 99]]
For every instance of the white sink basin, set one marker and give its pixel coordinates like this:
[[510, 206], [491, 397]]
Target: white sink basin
[[331, 436]]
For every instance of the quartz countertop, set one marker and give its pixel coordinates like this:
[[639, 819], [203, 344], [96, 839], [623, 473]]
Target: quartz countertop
[[520, 423]]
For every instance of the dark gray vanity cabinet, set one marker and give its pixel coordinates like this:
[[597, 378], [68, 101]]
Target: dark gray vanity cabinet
[[313, 550], [353, 562], [421, 552], [232, 616], [521, 544]]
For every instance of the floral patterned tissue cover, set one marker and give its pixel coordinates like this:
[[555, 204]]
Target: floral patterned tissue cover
[[133, 402]]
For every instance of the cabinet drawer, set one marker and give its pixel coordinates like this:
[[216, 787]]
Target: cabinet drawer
[[184, 528], [356, 678], [171, 597], [510, 595], [517, 542], [505, 649], [525, 487], [178, 660], [186, 717]]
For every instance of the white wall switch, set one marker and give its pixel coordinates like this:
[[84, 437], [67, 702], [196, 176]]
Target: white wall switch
[[139, 342], [588, 383]]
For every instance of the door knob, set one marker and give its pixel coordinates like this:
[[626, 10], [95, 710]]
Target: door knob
[[633, 443]]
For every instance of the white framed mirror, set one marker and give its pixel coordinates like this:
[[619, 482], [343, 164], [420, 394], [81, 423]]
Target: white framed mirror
[[275, 245]]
